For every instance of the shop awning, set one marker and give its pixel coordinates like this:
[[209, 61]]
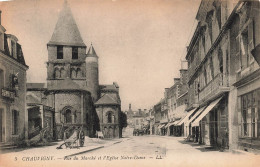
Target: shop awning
[[186, 118], [194, 116], [161, 126], [168, 124], [205, 112], [176, 122], [171, 124]]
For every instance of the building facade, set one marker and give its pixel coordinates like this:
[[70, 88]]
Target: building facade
[[223, 87], [244, 121], [13, 113]]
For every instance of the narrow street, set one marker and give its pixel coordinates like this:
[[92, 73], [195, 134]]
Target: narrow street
[[135, 150]]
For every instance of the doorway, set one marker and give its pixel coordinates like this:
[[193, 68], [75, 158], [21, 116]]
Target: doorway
[[1, 125], [213, 127]]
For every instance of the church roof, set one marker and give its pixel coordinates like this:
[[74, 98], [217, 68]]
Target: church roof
[[67, 84], [66, 31], [106, 99], [91, 52]]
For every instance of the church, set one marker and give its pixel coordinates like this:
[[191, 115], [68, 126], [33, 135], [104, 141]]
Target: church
[[73, 88]]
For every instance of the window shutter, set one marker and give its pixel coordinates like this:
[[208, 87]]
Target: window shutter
[[238, 56], [250, 40]]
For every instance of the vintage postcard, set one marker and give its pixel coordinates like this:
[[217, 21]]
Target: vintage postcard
[[129, 83]]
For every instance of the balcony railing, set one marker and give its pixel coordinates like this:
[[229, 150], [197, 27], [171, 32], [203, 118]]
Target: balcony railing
[[216, 86]]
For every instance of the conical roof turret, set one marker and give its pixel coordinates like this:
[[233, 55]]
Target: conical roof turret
[[91, 52], [66, 31]]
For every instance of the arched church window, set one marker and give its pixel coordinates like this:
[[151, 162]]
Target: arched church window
[[68, 116], [62, 73], [109, 117], [57, 73], [78, 73], [73, 73]]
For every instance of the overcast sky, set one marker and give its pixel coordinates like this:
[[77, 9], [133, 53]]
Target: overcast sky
[[140, 43]]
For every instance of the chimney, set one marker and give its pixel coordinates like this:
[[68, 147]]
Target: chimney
[[130, 106], [176, 80], [139, 111], [0, 17], [184, 64]]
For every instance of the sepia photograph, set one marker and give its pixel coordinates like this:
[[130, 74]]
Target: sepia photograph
[[129, 83]]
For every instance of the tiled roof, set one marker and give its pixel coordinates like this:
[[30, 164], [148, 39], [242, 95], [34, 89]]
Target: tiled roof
[[106, 99], [66, 31], [32, 99], [36, 85]]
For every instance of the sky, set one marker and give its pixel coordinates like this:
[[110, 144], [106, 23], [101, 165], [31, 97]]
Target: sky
[[140, 43]]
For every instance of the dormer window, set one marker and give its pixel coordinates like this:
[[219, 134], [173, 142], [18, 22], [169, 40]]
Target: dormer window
[[13, 49], [75, 53], [59, 52]]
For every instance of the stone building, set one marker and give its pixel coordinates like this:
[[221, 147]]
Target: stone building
[[13, 113], [223, 79], [70, 85], [73, 88]]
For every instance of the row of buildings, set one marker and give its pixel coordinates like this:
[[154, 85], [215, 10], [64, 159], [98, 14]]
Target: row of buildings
[[71, 96], [216, 100]]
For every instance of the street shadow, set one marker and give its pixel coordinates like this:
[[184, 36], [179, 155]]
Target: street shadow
[[200, 147], [207, 149]]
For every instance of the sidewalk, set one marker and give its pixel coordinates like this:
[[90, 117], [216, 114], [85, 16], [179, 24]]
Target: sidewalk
[[89, 145]]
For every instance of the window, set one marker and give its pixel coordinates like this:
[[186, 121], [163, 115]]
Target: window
[[12, 49], [1, 79], [68, 116], [209, 22], [62, 73], [57, 73], [246, 45], [78, 73], [73, 73], [14, 122], [244, 49], [109, 117], [59, 52], [250, 114], [74, 53]]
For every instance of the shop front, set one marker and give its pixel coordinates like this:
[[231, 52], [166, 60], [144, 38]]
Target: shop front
[[212, 124], [248, 111]]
